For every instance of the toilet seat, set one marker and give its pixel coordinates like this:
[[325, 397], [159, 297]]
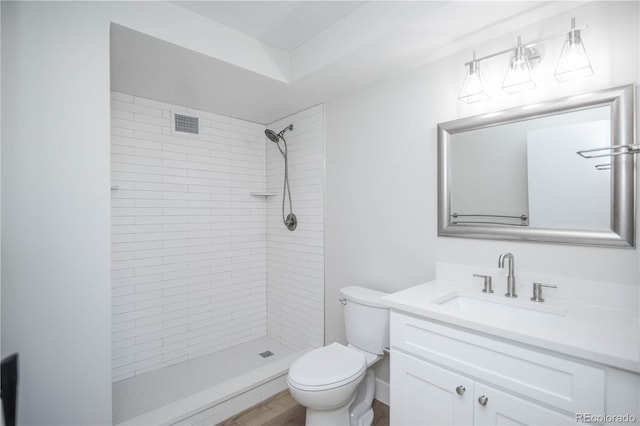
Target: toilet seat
[[326, 368]]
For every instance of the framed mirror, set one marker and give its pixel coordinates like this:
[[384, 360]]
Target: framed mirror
[[517, 174]]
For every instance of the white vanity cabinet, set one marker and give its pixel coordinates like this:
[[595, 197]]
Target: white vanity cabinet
[[425, 394], [443, 374]]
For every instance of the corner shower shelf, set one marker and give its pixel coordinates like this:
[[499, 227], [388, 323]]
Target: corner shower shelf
[[263, 194]]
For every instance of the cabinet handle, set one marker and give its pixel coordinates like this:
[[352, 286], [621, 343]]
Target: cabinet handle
[[483, 400], [460, 390]]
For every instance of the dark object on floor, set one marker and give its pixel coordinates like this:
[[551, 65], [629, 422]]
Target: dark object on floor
[[9, 388]]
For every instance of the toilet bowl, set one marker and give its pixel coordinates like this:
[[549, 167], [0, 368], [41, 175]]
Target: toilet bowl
[[334, 382], [325, 381]]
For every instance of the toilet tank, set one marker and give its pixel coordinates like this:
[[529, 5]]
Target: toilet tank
[[366, 319]]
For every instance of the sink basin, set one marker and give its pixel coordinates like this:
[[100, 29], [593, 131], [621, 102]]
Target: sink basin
[[501, 308]]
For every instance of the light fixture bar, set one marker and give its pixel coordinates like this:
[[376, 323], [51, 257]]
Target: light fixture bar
[[573, 63], [526, 46], [493, 55]]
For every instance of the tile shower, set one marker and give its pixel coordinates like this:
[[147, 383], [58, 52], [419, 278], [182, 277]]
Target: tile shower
[[201, 262]]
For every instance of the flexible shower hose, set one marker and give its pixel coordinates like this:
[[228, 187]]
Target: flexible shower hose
[[286, 190]]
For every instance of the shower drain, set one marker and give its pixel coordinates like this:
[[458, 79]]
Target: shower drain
[[265, 354]]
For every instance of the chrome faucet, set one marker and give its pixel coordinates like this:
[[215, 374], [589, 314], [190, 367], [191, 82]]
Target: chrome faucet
[[511, 278]]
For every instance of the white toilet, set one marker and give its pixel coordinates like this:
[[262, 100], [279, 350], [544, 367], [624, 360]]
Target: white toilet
[[334, 382]]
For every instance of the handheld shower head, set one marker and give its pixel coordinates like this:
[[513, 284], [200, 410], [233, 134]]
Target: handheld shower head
[[275, 137]]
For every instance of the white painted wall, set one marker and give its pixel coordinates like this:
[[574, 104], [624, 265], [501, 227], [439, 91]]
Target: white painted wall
[[381, 206], [55, 218], [295, 260], [55, 189]]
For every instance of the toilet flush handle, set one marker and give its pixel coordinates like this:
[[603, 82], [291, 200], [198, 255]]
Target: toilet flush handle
[[343, 301]]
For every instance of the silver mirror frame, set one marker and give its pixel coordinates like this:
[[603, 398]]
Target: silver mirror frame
[[623, 191]]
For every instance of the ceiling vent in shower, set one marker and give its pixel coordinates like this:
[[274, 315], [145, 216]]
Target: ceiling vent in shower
[[186, 124]]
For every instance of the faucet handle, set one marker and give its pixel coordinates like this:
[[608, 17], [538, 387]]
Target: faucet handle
[[537, 291], [487, 283]]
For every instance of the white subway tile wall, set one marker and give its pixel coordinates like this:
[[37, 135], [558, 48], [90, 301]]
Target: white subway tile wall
[[188, 240], [295, 260]]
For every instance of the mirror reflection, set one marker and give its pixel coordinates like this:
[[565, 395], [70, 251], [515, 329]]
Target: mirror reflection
[[527, 173]]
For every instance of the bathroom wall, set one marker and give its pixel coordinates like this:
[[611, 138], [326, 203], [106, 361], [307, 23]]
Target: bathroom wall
[[295, 260], [55, 211], [56, 291], [188, 239], [381, 206]]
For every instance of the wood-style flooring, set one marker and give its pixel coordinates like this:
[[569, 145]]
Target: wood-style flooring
[[282, 410]]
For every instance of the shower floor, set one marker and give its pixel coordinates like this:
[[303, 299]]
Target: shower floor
[[171, 393]]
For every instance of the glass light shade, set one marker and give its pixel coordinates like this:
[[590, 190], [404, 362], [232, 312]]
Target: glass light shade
[[518, 77], [574, 62], [473, 87]]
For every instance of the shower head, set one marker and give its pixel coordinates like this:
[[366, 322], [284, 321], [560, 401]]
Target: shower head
[[275, 137]]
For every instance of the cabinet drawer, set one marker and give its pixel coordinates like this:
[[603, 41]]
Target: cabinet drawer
[[568, 385]]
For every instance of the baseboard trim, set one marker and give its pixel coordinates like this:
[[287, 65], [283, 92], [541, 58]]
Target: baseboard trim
[[382, 391]]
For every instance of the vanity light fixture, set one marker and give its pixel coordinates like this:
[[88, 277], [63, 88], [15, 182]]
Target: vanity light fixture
[[573, 63], [518, 76], [473, 87]]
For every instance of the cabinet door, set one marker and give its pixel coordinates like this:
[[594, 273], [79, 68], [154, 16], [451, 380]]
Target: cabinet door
[[423, 394], [500, 408]]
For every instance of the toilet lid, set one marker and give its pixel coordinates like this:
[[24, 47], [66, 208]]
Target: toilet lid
[[327, 367]]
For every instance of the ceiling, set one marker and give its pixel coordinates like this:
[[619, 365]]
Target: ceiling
[[283, 24], [328, 49]]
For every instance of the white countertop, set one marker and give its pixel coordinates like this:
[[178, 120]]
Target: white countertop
[[599, 334]]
